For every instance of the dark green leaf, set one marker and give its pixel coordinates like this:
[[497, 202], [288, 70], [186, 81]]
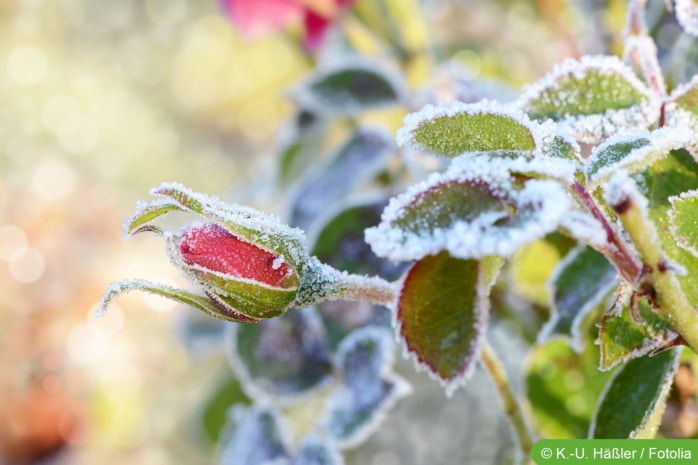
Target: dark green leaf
[[349, 87], [635, 397], [368, 389], [442, 314], [340, 242], [468, 217], [579, 284], [282, 358]]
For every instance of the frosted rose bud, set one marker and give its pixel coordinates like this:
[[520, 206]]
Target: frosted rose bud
[[249, 265], [245, 279]]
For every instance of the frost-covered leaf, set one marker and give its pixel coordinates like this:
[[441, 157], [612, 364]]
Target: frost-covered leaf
[[340, 241], [470, 214], [621, 338], [350, 86], [635, 398], [188, 199], [682, 110], [522, 165], [562, 146], [315, 450], [683, 221], [282, 359], [671, 176], [364, 155], [200, 302], [258, 437], [442, 314], [579, 283], [147, 212], [451, 130], [368, 388], [687, 14], [593, 98], [633, 152]]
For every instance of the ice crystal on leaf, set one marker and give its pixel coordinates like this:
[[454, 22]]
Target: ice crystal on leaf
[[633, 151], [593, 98], [258, 437], [457, 128], [369, 387], [683, 220], [470, 214]]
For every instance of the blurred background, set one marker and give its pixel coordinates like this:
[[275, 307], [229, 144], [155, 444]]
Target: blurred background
[[102, 100]]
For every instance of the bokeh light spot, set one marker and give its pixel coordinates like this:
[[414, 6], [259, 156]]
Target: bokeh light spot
[[13, 242], [53, 180], [84, 346], [28, 266], [27, 65], [57, 110]]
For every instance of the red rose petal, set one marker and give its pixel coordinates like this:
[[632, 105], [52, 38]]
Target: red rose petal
[[212, 247]]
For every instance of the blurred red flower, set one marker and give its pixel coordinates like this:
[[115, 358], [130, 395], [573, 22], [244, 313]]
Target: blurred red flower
[[255, 18]]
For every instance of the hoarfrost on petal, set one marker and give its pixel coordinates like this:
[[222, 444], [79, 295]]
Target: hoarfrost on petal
[[258, 437]]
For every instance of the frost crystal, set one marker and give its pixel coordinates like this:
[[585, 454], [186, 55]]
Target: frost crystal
[[541, 205], [634, 151], [258, 438], [369, 387], [593, 98], [490, 126]]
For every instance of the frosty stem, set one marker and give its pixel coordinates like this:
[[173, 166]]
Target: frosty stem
[[512, 405], [671, 299], [618, 253]]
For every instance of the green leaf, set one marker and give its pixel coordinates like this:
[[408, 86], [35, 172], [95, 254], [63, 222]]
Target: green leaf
[[349, 87], [461, 128], [578, 285], [563, 387], [340, 242], [635, 398], [683, 219], [470, 216], [145, 213], [592, 98], [361, 157], [368, 387], [669, 177], [621, 338], [442, 314], [633, 152], [281, 359], [227, 393], [185, 197], [203, 303]]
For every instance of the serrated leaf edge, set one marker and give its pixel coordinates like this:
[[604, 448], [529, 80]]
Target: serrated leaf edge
[[673, 227]]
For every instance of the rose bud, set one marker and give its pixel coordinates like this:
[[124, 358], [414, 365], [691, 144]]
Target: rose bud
[[241, 277], [250, 265]]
